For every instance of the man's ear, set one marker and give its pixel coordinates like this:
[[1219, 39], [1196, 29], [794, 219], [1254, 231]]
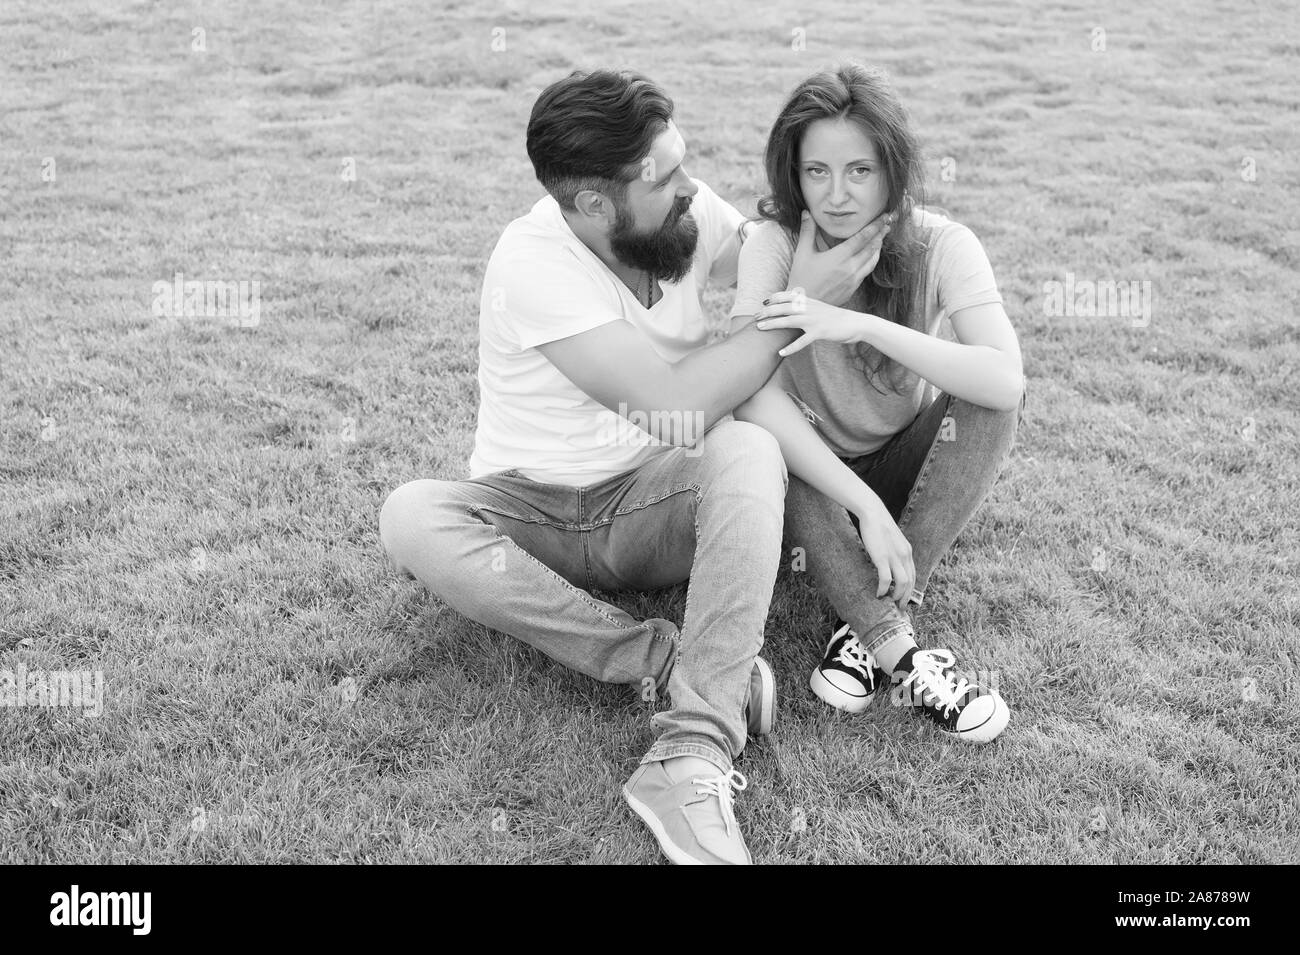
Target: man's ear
[[594, 205]]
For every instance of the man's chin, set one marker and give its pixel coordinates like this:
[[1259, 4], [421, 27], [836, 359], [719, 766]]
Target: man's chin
[[667, 264]]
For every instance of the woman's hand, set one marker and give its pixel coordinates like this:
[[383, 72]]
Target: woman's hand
[[819, 321], [890, 551], [834, 274]]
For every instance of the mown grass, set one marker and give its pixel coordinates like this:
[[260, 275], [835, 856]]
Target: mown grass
[[200, 529]]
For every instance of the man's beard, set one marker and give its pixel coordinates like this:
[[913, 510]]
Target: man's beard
[[667, 252]]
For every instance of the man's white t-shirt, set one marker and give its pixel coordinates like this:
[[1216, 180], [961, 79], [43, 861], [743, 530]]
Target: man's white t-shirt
[[543, 284]]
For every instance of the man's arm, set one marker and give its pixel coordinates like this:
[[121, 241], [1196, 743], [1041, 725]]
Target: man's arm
[[616, 365]]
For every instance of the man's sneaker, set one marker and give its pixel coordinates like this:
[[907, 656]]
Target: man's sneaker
[[847, 678], [694, 820], [925, 679], [760, 708]]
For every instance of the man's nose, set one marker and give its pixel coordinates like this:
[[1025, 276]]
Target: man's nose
[[688, 189]]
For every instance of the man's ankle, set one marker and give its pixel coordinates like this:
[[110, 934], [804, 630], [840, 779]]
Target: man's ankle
[[680, 769]]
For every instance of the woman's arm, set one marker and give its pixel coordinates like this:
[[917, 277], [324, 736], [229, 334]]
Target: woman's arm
[[808, 458], [983, 366]]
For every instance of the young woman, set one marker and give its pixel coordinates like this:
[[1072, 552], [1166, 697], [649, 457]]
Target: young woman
[[895, 434]]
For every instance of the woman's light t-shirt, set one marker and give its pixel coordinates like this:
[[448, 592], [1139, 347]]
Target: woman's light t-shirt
[[543, 284], [827, 378]]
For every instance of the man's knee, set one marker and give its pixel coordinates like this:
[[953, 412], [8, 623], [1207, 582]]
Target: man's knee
[[743, 444], [402, 514]]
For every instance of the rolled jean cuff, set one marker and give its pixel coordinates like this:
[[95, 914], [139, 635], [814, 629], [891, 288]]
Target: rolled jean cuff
[[703, 749], [882, 633]]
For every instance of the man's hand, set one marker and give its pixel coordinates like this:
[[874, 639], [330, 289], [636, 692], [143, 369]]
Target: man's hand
[[834, 275]]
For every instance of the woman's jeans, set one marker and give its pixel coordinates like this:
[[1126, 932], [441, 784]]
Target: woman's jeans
[[521, 557], [932, 476]]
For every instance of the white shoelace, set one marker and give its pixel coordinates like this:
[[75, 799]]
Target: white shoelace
[[852, 655], [721, 787], [927, 675]]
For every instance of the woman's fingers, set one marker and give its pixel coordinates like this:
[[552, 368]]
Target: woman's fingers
[[781, 309], [864, 262], [799, 344], [886, 579], [902, 590], [789, 295], [905, 577]]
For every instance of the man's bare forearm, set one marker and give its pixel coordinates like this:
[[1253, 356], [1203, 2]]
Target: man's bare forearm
[[714, 380]]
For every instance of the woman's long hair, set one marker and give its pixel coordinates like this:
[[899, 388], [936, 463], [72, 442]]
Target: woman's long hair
[[866, 97]]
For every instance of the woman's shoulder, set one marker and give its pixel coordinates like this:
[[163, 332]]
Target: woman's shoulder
[[768, 233], [937, 226], [936, 222], [768, 248], [945, 238]]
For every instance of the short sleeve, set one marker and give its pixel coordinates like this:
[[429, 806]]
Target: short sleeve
[[962, 275], [539, 292], [764, 268], [719, 223]]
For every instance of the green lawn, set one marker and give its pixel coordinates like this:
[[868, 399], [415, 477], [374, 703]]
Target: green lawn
[[190, 507]]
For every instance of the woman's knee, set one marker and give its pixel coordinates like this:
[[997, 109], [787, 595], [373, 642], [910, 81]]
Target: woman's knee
[[995, 423]]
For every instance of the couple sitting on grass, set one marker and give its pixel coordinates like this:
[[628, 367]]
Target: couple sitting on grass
[[829, 410]]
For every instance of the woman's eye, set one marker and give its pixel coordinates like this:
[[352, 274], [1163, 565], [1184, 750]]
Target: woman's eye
[[815, 173], [862, 170]]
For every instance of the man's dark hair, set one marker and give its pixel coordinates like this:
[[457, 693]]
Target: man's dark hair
[[591, 130]]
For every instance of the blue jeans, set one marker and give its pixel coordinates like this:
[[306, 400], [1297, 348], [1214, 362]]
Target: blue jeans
[[521, 557], [932, 476]]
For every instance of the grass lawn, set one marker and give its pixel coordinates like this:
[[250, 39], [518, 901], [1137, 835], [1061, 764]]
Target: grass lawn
[[190, 506]]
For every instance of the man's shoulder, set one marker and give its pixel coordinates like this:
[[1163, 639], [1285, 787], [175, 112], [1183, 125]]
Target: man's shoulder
[[538, 242], [541, 225]]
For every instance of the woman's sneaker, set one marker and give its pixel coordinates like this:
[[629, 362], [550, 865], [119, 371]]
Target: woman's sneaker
[[925, 679], [847, 678]]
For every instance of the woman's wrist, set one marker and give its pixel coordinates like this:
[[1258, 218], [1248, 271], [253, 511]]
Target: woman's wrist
[[868, 508], [867, 326]]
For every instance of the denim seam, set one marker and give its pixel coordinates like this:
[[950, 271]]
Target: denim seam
[[705, 750], [892, 448], [641, 505], [919, 484], [574, 591], [584, 543], [473, 509], [695, 522], [886, 635], [686, 748]]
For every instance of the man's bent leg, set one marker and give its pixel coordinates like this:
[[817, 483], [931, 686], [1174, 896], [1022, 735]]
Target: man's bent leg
[[446, 535], [715, 512]]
